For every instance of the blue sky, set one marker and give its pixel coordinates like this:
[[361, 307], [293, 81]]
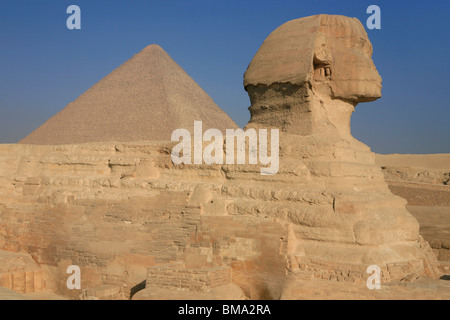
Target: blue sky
[[44, 66]]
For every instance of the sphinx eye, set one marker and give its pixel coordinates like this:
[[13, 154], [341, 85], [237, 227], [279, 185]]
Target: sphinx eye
[[322, 69]]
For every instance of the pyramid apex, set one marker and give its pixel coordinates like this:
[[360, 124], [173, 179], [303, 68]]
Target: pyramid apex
[[153, 47]]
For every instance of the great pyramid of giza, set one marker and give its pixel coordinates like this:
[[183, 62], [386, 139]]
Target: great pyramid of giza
[[146, 98]]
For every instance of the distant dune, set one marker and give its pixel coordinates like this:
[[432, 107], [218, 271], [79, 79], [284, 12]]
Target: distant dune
[[423, 180], [427, 161]]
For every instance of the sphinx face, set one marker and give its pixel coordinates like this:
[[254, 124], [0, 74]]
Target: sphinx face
[[343, 61]]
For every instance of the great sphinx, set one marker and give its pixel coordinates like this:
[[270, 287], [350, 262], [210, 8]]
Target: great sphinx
[[124, 212], [306, 79]]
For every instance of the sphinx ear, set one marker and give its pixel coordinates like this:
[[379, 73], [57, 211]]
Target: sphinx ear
[[323, 60]]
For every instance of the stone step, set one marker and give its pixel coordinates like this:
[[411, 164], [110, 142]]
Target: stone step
[[20, 273]]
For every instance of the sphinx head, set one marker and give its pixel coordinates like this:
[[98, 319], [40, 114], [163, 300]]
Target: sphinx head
[[325, 55]]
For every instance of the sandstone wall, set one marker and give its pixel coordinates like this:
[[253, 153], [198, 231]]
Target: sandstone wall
[[117, 209]]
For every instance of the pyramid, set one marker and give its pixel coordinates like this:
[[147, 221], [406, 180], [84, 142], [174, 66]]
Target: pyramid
[[146, 98]]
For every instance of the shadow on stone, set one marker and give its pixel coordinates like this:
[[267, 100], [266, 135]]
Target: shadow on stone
[[140, 286]]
